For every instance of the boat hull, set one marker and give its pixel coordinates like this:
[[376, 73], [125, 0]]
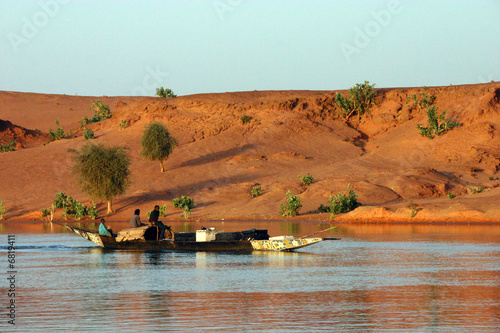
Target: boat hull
[[173, 245]]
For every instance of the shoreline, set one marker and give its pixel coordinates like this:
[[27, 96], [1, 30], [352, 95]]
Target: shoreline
[[273, 221]]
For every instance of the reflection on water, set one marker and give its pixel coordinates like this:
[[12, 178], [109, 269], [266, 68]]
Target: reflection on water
[[404, 278], [290, 228]]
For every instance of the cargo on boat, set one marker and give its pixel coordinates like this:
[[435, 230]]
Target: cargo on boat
[[147, 238]]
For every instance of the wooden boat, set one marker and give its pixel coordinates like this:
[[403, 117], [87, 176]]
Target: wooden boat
[[202, 240]]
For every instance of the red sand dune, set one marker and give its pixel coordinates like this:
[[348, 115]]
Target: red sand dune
[[219, 158]]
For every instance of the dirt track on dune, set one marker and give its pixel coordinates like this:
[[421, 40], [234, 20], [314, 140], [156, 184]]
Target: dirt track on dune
[[383, 158]]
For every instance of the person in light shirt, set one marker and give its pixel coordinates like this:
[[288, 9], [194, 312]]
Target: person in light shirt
[[135, 220]]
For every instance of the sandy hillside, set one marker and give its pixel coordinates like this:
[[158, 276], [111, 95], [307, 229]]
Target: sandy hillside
[[218, 160]]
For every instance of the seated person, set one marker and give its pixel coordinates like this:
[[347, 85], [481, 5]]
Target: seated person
[[135, 220], [103, 230], [153, 218]]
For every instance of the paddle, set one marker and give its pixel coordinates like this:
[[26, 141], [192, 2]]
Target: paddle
[[317, 232]]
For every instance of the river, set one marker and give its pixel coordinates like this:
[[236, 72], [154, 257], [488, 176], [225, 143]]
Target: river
[[379, 277]]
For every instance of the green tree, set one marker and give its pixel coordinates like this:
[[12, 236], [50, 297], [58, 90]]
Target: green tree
[[157, 143], [103, 172], [185, 203]]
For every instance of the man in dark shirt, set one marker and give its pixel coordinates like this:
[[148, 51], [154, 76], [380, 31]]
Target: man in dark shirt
[[155, 214], [153, 218]]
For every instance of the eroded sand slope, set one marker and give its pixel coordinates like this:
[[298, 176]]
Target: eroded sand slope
[[219, 158]]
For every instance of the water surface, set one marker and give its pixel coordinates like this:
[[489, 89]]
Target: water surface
[[405, 278]]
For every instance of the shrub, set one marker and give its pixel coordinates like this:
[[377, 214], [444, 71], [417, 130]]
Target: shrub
[[356, 141], [163, 211], [157, 143], [101, 112], [255, 191], [450, 195], [358, 102], [88, 134], [324, 208], [58, 134], [306, 180], [124, 124], [92, 211], [436, 124], [414, 209], [293, 206], [164, 93], [477, 189], [78, 210], [473, 171], [71, 208], [246, 119], [48, 213], [102, 172], [62, 200], [185, 203], [341, 203], [6, 147], [425, 100], [3, 210]]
